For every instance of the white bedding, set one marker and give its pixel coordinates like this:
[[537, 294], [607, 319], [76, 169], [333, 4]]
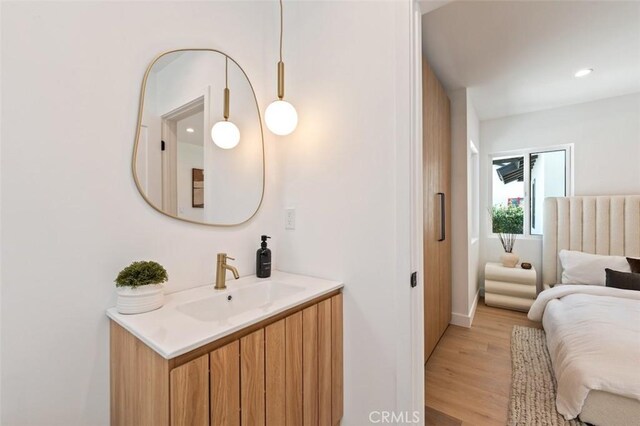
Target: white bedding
[[593, 336]]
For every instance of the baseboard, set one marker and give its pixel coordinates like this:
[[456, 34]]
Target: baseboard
[[472, 312], [463, 320]]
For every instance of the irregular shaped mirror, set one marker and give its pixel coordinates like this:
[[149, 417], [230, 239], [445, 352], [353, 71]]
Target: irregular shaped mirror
[[178, 167]]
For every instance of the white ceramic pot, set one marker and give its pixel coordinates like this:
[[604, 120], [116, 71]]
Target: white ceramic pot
[[509, 260], [136, 300]]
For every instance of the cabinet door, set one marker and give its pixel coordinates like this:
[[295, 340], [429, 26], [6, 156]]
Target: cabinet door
[[310, 366], [276, 395], [189, 385], [252, 379], [337, 389], [225, 385], [324, 363], [293, 368], [436, 150]]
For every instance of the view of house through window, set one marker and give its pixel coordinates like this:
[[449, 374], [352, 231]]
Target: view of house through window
[[508, 195], [548, 179], [520, 183]]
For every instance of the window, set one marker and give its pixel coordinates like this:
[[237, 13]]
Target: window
[[473, 183], [520, 183]]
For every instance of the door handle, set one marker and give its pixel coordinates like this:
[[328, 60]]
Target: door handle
[[443, 224]]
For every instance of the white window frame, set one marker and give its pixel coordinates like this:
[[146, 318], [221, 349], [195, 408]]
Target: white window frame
[[526, 154]]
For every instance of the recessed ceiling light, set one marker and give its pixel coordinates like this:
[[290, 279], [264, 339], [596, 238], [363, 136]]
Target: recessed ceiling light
[[584, 72], [190, 130]]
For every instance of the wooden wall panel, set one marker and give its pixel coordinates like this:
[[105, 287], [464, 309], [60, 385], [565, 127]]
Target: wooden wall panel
[[276, 396], [225, 385], [190, 393], [437, 179], [139, 381], [310, 366], [293, 368], [324, 363], [252, 401], [337, 387]]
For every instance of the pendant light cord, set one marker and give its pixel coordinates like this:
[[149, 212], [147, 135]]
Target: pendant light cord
[[281, 29], [226, 71], [226, 88]]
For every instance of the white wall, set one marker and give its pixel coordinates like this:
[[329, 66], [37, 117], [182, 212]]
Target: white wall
[[473, 135], [1, 203], [606, 138], [149, 157], [70, 210], [81, 219], [348, 74], [189, 157], [464, 277], [459, 226]]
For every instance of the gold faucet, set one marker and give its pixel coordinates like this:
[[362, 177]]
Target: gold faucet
[[221, 271]]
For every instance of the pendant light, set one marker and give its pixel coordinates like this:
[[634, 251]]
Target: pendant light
[[224, 133], [281, 117]]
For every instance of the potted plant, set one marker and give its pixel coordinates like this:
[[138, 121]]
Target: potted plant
[[139, 287], [508, 222]]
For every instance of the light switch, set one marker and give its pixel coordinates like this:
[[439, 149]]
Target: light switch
[[290, 219]]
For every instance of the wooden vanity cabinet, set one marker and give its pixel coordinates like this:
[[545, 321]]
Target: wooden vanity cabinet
[[189, 393], [286, 370]]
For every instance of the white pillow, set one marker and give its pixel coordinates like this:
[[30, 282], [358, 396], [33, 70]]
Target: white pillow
[[585, 268]]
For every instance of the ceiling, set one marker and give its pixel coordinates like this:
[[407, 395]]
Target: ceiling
[[427, 6], [195, 122], [518, 57], [165, 60]]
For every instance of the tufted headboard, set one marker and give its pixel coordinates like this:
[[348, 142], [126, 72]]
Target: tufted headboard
[[608, 225]]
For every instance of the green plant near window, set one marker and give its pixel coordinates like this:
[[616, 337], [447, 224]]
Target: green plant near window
[[141, 273], [508, 222]]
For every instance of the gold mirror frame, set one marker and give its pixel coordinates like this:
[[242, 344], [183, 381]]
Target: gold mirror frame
[[139, 127]]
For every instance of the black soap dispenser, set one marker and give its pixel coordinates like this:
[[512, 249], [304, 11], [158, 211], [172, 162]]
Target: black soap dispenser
[[263, 259]]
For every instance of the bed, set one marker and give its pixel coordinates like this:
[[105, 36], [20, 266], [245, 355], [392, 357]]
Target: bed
[[593, 332]]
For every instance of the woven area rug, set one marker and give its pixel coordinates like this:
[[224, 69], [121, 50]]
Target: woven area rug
[[533, 385]]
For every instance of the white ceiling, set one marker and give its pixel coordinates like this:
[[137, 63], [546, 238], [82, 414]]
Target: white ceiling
[[165, 60], [195, 122], [427, 6], [518, 57]]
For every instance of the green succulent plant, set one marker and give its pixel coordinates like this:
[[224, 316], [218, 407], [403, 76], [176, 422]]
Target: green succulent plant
[[141, 273]]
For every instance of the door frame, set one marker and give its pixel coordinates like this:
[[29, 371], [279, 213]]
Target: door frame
[[169, 135], [416, 216]]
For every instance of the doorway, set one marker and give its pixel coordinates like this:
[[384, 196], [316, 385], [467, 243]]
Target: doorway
[[183, 137]]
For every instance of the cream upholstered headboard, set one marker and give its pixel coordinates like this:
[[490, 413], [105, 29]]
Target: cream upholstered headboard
[[608, 225]]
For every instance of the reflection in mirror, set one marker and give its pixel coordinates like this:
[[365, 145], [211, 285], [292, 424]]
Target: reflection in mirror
[[177, 167]]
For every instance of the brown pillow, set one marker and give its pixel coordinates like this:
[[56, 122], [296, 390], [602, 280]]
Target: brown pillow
[[623, 280], [635, 264]]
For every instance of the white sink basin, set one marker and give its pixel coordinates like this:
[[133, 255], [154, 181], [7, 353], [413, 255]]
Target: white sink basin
[[200, 315], [228, 305]]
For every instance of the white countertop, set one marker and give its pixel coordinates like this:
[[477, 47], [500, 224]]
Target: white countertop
[[171, 332]]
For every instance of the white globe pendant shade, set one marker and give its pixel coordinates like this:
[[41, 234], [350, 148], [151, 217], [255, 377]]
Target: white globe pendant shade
[[225, 134], [281, 117]]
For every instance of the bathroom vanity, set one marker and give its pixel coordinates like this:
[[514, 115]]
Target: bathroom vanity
[[261, 352]]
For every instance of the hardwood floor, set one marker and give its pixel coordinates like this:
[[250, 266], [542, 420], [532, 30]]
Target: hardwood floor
[[468, 376]]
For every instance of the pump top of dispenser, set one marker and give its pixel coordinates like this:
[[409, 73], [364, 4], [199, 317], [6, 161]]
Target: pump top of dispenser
[[264, 241]]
